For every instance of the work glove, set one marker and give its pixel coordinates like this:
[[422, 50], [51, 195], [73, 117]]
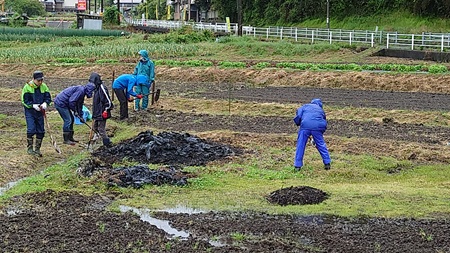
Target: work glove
[[105, 114], [44, 106], [36, 107], [139, 96]]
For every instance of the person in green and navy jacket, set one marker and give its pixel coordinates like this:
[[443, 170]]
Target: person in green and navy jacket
[[35, 99]]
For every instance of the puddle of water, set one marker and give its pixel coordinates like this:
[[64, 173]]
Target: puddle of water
[[144, 214], [183, 209], [216, 243], [7, 187]]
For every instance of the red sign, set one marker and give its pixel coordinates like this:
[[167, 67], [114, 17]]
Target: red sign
[[81, 5]]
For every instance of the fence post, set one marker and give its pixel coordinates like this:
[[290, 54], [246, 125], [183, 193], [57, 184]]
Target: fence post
[[267, 33], [350, 39], [281, 33], [331, 36], [296, 34], [312, 37], [442, 43], [412, 42], [371, 39], [387, 40]]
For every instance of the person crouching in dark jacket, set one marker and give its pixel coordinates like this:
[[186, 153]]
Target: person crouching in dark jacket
[[70, 100], [312, 121], [102, 107]]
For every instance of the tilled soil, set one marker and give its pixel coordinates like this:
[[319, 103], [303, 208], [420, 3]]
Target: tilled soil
[[68, 222]]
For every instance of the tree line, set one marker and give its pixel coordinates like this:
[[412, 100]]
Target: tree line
[[265, 12]]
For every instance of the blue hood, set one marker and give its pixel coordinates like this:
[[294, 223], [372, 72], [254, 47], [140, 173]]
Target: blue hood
[[141, 79], [144, 54], [88, 89], [317, 101]]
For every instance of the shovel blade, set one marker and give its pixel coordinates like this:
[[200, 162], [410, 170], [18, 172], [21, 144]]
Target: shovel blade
[[157, 93]]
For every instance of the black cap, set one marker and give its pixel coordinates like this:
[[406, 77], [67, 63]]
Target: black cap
[[38, 75]]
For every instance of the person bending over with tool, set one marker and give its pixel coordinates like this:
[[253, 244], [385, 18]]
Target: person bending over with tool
[[102, 106], [35, 98], [312, 121], [123, 88], [70, 100], [145, 67]]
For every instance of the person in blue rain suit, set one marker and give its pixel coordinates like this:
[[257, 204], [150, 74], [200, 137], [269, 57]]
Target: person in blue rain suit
[[145, 67], [35, 99], [312, 121], [123, 88], [69, 103]]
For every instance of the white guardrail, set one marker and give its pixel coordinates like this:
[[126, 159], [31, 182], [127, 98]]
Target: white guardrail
[[424, 41]]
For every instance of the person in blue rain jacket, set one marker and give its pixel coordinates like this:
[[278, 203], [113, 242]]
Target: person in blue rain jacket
[[123, 88], [146, 67], [69, 103], [312, 121]]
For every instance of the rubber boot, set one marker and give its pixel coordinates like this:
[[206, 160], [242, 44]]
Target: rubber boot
[[107, 142], [66, 136], [37, 148], [71, 136], [30, 146]]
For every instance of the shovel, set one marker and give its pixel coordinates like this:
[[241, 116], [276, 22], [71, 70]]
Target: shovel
[[91, 133], [154, 95], [51, 136]]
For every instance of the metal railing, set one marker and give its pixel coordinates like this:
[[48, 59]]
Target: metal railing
[[425, 41]]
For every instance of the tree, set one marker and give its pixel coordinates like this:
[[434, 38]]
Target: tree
[[29, 7], [203, 5], [111, 15]]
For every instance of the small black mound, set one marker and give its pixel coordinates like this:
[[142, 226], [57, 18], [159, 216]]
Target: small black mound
[[166, 148], [301, 195]]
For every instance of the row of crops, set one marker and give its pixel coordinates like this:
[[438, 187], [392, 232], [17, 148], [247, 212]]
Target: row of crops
[[19, 34], [309, 66], [286, 65], [108, 50]]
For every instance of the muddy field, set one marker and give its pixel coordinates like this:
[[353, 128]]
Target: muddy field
[[68, 222]]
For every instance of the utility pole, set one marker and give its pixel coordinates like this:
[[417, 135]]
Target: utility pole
[[118, 13], [159, 5], [328, 14], [239, 16]]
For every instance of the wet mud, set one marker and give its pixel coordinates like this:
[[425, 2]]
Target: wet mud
[[68, 222]]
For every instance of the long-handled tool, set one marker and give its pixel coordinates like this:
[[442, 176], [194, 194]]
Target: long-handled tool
[[91, 133], [51, 136]]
